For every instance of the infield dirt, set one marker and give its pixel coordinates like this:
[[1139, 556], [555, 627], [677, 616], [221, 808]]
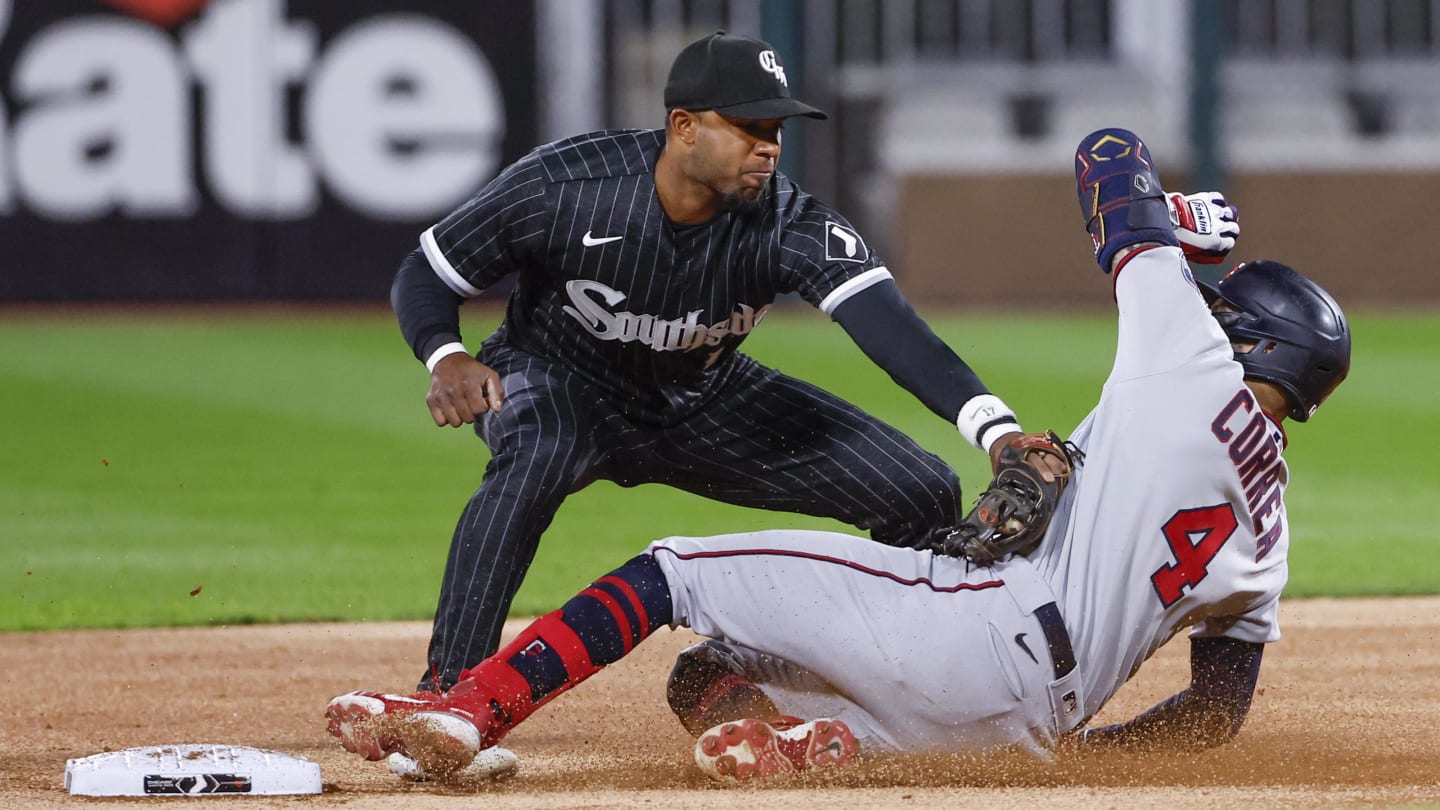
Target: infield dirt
[[1346, 715]]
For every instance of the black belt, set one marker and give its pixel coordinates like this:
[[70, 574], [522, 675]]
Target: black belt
[[1057, 639]]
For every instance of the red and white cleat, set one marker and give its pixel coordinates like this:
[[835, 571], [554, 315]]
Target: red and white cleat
[[749, 749], [438, 738], [351, 719]]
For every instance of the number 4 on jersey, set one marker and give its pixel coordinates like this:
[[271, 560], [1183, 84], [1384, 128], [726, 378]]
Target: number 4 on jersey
[[1212, 525]]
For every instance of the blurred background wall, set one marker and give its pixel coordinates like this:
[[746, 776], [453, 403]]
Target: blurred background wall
[[190, 150]]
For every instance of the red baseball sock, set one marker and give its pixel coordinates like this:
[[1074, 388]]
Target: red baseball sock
[[497, 695], [562, 648]]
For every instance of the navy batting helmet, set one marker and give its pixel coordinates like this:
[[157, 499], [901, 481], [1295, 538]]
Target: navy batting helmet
[[1301, 340]]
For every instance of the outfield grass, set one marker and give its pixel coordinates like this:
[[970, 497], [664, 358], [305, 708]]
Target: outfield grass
[[287, 467]]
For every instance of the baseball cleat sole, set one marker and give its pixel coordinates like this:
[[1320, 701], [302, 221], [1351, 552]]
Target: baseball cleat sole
[[350, 718], [750, 749]]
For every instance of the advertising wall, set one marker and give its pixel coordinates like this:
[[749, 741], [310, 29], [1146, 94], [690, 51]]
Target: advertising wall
[[246, 149], [1018, 241]]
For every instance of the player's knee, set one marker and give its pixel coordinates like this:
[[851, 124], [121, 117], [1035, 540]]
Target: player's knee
[[709, 686], [696, 669], [945, 484], [927, 502], [935, 492]]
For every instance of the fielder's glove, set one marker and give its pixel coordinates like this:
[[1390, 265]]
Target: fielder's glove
[[1010, 516], [1205, 224]]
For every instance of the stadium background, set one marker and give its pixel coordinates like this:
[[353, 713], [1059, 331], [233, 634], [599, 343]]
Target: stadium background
[[185, 150], [202, 203], [208, 420]]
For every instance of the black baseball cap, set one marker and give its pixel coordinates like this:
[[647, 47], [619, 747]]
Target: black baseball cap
[[733, 75]]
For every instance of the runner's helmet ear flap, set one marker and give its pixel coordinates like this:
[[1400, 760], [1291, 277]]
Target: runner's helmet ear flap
[[1296, 334]]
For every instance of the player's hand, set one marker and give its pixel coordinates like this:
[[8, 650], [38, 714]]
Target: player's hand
[[462, 389], [1049, 465], [1206, 225]]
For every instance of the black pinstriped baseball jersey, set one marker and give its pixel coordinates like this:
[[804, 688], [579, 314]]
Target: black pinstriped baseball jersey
[[647, 310]]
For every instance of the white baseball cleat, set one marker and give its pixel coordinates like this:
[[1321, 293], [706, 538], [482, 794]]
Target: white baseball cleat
[[490, 765], [754, 749]]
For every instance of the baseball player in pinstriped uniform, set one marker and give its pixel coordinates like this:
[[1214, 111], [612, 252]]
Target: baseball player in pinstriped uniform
[[1175, 519], [643, 260]]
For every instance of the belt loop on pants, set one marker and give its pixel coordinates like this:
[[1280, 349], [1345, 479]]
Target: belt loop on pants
[[1062, 655]]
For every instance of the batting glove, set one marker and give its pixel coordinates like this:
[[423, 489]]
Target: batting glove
[[1205, 224]]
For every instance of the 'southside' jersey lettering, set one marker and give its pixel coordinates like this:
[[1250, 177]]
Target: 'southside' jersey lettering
[[678, 334]]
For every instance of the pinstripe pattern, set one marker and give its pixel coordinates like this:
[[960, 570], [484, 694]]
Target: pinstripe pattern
[[768, 441], [618, 357], [602, 308]]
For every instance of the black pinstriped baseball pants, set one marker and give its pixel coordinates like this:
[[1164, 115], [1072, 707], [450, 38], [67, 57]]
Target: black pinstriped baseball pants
[[769, 441]]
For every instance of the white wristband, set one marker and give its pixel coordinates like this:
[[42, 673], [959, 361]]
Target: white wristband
[[985, 418], [444, 351]]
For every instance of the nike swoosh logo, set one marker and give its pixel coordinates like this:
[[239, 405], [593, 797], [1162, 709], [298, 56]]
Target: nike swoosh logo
[[1020, 639], [591, 241]]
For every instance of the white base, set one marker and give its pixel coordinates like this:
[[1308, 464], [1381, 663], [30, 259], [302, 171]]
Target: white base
[[191, 770]]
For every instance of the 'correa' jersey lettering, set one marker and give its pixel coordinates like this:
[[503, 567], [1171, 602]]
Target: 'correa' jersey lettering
[[1255, 447], [649, 311]]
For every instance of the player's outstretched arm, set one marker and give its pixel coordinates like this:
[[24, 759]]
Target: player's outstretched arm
[[1223, 674], [888, 330]]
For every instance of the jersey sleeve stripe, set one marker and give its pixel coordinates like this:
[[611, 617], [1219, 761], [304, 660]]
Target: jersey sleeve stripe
[[443, 268], [864, 281]]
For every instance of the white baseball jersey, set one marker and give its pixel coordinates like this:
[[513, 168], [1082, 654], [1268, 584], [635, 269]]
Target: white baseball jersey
[[1175, 519]]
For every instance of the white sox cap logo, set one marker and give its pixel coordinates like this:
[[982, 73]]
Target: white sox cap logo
[[771, 64]]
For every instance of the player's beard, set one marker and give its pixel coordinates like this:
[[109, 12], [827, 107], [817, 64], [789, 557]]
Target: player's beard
[[736, 202]]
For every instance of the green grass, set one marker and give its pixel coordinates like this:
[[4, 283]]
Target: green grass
[[288, 468]]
